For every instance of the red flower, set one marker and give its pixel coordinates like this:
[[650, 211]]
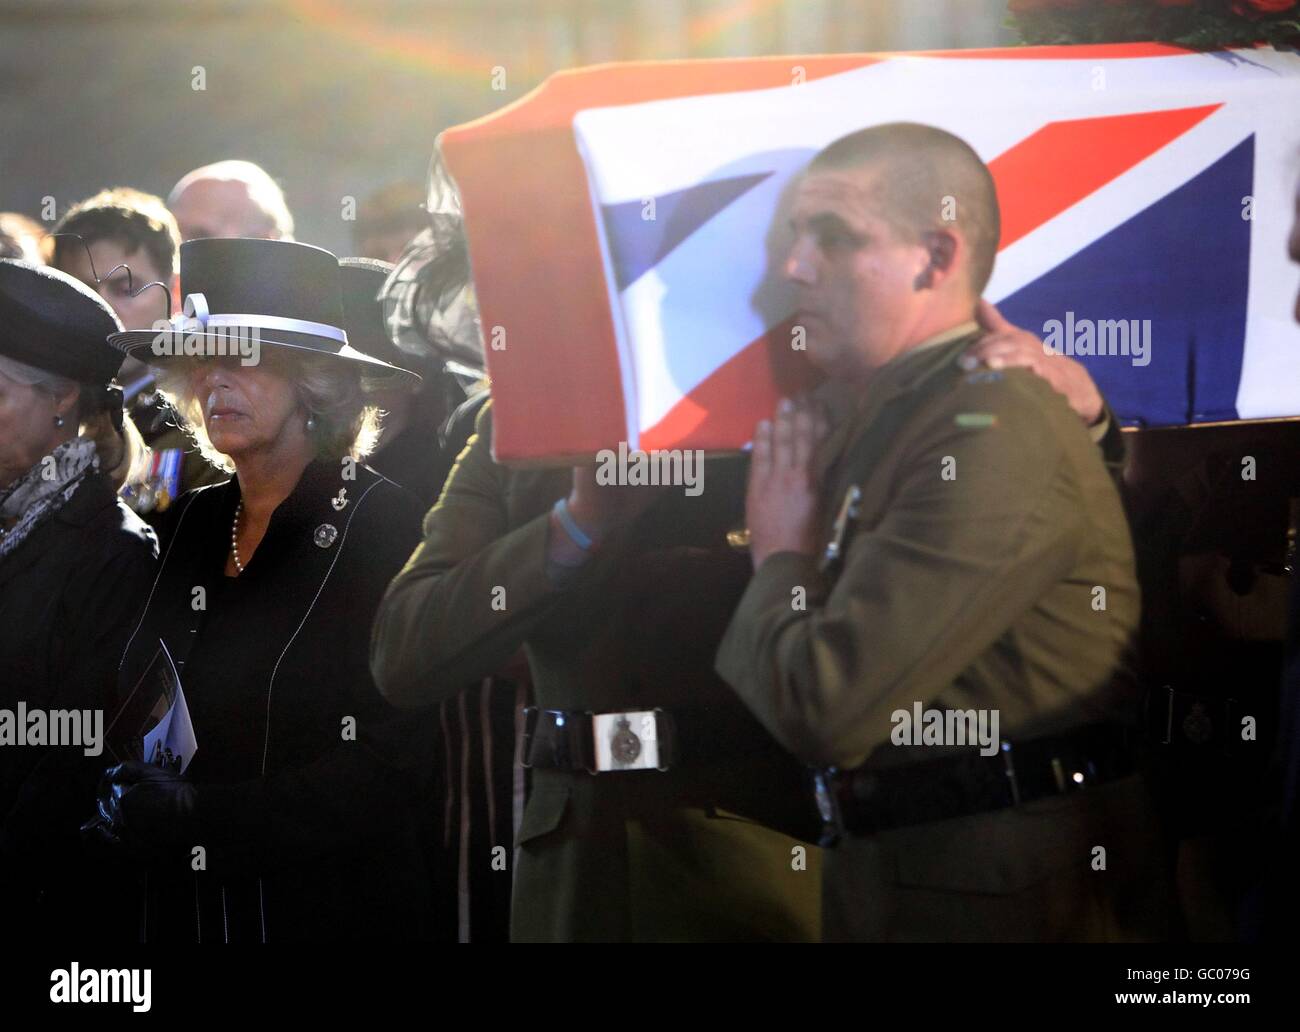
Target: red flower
[[1254, 8]]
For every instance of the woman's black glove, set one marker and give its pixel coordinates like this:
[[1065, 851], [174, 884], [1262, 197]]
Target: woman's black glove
[[143, 810]]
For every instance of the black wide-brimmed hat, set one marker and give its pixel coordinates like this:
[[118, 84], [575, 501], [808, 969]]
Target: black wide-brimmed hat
[[363, 312], [54, 322], [282, 293]]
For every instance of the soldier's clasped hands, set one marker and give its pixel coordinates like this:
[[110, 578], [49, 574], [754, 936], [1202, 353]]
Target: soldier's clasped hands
[[781, 502]]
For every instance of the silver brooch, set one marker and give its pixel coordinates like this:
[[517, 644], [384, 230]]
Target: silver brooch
[[341, 501], [325, 535]]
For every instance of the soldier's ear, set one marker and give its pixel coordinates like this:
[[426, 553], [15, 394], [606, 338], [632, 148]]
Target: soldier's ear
[[943, 247]]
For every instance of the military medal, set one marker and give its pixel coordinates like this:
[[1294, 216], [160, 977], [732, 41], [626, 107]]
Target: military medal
[[146, 492], [847, 515], [169, 477]]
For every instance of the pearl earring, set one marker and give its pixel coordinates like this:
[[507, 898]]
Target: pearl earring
[[311, 423], [58, 420]]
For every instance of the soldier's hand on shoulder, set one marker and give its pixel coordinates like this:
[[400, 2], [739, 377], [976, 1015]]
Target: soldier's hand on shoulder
[[1005, 346]]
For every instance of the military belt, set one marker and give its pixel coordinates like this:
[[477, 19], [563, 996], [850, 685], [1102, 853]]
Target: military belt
[[643, 739], [599, 743], [866, 801]]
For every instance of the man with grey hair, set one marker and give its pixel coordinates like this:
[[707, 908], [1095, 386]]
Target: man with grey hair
[[230, 199]]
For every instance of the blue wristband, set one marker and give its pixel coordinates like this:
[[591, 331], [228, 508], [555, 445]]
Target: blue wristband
[[570, 526]]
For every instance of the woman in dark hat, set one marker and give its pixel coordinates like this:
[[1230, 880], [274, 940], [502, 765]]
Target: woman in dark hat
[[294, 814], [75, 566]]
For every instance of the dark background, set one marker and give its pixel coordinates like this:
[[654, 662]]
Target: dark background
[[336, 98]]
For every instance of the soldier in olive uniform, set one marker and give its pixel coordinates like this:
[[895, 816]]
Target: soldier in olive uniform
[[946, 541], [656, 797], [660, 808]]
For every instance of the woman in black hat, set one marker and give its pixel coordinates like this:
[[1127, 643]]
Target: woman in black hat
[[294, 813], [75, 566]]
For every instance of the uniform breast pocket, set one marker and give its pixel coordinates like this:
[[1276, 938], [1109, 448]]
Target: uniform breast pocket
[[859, 511], [544, 812]]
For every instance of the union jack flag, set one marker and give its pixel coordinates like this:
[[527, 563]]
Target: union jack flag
[[625, 233]]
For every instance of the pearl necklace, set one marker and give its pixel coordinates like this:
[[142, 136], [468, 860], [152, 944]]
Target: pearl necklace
[[234, 538]]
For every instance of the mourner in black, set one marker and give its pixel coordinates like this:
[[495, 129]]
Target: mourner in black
[[75, 565], [295, 816]]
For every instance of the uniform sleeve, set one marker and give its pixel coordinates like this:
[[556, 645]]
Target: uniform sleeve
[[1109, 438], [472, 592], [947, 570]]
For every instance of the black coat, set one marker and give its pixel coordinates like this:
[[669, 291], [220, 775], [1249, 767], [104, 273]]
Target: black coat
[[307, 835], [69, 595], [420, 457]]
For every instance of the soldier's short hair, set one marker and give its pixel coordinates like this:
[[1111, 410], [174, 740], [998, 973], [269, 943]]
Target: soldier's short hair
[[931, 180]]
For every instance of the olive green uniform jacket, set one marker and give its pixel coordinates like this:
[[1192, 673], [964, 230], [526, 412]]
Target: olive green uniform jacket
[[687, 854], [990, 568]]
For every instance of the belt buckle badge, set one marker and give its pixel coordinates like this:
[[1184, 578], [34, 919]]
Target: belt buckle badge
[[626, 741]]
